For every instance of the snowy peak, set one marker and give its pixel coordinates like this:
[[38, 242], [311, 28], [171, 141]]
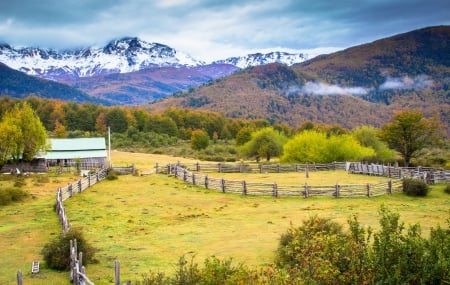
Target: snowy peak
[[260, 59], [122, 55], [118, 56]]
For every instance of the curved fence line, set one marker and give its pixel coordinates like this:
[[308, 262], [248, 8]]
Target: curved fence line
[[273, 189], [251, 168], [77, 271], [427, 174]]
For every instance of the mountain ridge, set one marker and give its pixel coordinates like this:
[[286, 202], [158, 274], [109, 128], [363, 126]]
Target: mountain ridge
[[124, 55]]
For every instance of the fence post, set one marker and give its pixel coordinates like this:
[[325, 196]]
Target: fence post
[[390, 187], [184, 175], [117, 272], [19, 277], [193, 178], [368, 190], [219, 165], [79, 186], [156, 169], [89, 180], [197, 167], [278, 168], [306, 190], [222, 184], [69, 187], [275, 190], [244, 187], [260, 168], [206, 181], [337, 190], [307, 170]]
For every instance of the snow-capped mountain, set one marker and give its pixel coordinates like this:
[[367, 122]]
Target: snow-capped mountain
[[125, 55], [260, 59]]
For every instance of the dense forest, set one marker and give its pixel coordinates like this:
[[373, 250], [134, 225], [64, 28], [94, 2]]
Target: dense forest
[[188, 132]]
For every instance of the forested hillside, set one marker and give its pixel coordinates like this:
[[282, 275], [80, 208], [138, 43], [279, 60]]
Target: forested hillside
[[360, 85]]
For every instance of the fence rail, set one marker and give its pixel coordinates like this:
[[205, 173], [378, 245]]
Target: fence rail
[[427, 174], [273, 189], [251, 168], [77, 271]]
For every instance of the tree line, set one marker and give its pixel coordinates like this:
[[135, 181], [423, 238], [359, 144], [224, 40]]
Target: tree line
[[26, 124]]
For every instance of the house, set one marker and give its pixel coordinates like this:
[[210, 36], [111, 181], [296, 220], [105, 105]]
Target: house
[[85, 153]]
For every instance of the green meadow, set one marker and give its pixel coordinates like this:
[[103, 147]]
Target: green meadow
[[148, 222]]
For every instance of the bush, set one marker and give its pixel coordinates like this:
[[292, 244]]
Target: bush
[[112, 175], [10, 195], [447, 188], [415, 187], [57, 252]]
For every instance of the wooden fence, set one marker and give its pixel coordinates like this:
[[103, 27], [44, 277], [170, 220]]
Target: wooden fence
[[427, 174], [273, 189], [250, 168], [77, 271]]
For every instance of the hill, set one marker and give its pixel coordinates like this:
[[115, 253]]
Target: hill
[[19, 85], [359, 85]]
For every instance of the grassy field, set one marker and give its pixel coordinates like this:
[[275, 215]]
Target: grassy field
[[148, 222]]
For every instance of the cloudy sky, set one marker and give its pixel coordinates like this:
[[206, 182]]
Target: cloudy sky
[[216, 29]]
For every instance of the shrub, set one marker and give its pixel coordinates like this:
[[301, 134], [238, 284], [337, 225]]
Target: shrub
[[314, 250], [57, 252], [415, 187], [10, 195], [447, 188], [112, 175]]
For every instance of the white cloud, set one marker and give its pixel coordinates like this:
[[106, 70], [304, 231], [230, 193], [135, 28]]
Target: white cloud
[[406, 82], [319, 88]]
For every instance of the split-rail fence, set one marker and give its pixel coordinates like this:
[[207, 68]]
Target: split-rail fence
[[276, 190]]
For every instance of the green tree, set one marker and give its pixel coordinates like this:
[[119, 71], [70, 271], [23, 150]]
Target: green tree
[[409, 132], [244, 135], [345, 148], [22, 133], [307, 146], [368, 136], [266, 142], [315, 146], [117, 120], [199, 139]]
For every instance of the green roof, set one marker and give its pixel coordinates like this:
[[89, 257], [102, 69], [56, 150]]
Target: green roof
[[76, 148]]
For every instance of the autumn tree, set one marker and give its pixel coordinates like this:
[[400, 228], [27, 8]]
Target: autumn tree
[[59, 131], [199, 139], [409, 131], [266, 142], [22, 134]]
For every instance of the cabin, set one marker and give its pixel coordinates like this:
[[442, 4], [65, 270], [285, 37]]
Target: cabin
[[83, 153]]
